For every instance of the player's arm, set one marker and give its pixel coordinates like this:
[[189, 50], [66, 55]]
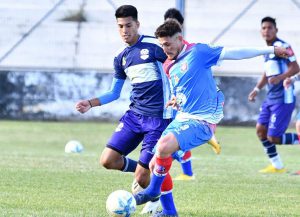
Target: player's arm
[[293, 68], [260, 84], [290, 80], [114, 93], [250, 52]]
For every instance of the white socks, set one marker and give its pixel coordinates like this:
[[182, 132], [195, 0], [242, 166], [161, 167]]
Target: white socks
[[276, 162]]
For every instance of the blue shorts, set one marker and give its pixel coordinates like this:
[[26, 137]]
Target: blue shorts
[[134, 129], [276, 117], [190, 133]]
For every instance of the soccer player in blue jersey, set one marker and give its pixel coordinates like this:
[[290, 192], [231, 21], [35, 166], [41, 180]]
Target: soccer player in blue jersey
[[195, 94], [276, 110], [185, 158], [140, 61]]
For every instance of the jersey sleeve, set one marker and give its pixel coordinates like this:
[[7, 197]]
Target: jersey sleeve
[[292, 57], [159, 54], [210, 54], [119, 72]]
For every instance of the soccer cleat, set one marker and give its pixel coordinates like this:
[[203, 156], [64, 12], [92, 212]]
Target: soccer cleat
[[184, 177], [142, 198], [161, 214], [272, 169], [215, 145], [150, 207]]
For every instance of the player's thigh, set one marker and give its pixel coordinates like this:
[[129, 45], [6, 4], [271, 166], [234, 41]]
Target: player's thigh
[[153, 128], [280, 118], [126, 136], [189, 134], [264, 114]]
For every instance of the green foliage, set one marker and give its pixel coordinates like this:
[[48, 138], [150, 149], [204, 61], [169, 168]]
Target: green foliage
[[38, 179]]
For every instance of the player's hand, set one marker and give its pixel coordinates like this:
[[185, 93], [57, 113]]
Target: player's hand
[[83, 106], [274, 79], [252, 95], [287, 82], [173, 103], [282, 52], [152, 163]]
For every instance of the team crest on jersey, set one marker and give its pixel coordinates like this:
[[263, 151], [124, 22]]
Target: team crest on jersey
[[123, 61], [144, 54], [184, 67], [119, 127]]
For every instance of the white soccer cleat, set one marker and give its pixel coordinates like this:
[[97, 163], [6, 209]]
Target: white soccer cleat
[[151, 207]]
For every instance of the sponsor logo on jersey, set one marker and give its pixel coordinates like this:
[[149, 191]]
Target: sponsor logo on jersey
[[144, 54]]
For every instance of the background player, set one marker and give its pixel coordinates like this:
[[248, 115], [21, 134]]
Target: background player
[[141, 61], [275, 113], [198, 104]]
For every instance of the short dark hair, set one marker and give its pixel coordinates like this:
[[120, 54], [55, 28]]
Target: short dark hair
[[168, 28], [269, 19], [173, 13], [127, 11]]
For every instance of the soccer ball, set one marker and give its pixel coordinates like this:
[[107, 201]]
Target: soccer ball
[[120, 203], [73, 146]]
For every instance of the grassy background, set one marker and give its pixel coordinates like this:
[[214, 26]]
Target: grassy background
[[38, 179]]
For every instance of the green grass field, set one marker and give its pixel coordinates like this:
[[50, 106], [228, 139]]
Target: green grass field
[[38, 179]]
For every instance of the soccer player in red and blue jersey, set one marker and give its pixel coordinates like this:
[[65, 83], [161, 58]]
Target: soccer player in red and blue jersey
[[185, 158], [276, 111], [195, 95], [140, 60]]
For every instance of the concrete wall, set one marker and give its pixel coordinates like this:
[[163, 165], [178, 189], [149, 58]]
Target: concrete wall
[[51, 95]]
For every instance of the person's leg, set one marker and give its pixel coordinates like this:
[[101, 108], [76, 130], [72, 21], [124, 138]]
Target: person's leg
[[281, 116], [184, 158], [123, 141], [264, 121], [113, 160], [166, 198], [152, 129], [188, 134]]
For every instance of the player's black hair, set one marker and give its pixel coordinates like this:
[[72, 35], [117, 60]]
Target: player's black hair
[[269, 19], [173, 13], [127, 11], [168, 28]]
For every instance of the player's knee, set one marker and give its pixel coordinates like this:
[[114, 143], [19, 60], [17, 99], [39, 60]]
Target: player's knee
[[274, 140], [163, 149], [260, 133], [106, 162]]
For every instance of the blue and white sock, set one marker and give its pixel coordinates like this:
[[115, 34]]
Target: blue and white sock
[[289, 139], [129, 165]]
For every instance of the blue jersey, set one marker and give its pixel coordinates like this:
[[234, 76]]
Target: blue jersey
[[193, 84], [142, 64], [274, 66]]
